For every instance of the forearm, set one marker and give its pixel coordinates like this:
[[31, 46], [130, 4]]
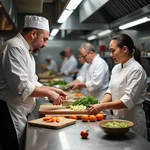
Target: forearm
[[40, 92], [107, 98], [118, 104]]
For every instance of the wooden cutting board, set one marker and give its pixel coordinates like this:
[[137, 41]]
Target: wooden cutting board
[[59, 110], [53, 125], [51, 110]]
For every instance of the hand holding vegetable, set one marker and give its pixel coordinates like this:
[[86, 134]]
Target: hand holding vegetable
[[95, 109]]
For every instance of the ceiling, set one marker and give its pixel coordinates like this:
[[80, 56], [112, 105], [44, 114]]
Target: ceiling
[[91, 15]]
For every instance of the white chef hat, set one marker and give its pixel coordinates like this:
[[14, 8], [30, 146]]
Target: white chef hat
[[48, 57], [36, 22]]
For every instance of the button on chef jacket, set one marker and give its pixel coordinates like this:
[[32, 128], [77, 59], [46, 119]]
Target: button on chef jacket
[[128, 84], [17, 81]]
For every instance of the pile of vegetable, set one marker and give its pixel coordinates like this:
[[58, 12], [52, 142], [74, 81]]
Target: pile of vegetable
[[115, 124], [86, 102], [60, 83]]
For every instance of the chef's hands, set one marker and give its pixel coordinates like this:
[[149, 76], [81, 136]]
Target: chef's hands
[[75, 84], [95, 109], [57, 96], [61, 93]]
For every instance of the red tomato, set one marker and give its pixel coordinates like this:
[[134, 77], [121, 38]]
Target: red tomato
[[84, 134]]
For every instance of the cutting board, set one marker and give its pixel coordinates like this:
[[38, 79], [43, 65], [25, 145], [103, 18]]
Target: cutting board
[[51, 110], [53, 125], [59, 110]]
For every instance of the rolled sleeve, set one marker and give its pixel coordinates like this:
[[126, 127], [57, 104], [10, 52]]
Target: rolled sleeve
[[28, 90], [80, 78], [108, 91], [127, 102]]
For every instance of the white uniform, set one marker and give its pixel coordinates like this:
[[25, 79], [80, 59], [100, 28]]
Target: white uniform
[[96, 77], [128, 84], [69, 66], [17, 81], [63, 64], [82, 70], [52, 66]]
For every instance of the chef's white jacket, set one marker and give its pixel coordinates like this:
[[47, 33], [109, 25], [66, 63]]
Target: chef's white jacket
[[128, 84], [52, 66], [96, 77], [70, 65], [17, 81], [82, 70]]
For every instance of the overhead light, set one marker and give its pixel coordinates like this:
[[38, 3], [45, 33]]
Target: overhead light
[[134, 23], [54, 32], [73, 4], [92, 37], [66, 13], [104, 32]]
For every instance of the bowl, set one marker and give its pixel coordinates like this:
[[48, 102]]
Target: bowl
[[115, 126]]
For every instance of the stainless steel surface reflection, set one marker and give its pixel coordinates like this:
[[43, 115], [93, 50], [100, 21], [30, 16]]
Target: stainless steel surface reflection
[[68, 138]]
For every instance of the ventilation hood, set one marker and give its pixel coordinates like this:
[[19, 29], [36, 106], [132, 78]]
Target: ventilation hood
[[8, 19]]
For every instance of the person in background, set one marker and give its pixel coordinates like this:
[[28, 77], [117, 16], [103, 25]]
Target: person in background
[[19, 84], [80, 71], [127, 88], [96, 75], [52, 66], [69, 66], [64, 58]]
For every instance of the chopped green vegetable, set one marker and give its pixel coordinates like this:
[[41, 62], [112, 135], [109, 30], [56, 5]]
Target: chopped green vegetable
[[115, 124], [86, 101], [61, 83]]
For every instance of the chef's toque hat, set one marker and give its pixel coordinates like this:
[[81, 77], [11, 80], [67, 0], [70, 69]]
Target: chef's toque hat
[[39, 22], [48, 57]]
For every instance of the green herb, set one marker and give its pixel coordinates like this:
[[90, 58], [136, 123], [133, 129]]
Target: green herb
[[86, 101]]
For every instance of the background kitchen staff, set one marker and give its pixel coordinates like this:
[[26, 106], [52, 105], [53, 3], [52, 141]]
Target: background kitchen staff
[[96, 76], [127, 87], [18, 81]]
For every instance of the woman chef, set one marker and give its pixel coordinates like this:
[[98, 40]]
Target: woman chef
[[127, 87], [18, 81]]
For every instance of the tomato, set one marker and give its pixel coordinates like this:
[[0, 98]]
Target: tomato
[[85, 118], [92, 118], [73, 117], [99, 117], [84, 134]]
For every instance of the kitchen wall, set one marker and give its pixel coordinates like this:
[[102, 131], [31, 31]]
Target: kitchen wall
[[53, 48], [140, 34]]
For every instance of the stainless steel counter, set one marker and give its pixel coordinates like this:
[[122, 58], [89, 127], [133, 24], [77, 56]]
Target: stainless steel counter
[[68, 138]]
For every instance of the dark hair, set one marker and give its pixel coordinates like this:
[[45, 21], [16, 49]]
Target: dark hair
[[126, 40], [88, 47], [28, 29], [62, 53]]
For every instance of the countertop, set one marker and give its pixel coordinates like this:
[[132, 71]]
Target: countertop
[[68, 138]]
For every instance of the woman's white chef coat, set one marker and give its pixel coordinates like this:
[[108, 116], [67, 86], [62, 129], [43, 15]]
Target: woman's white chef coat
[[96, 77], [128, 84], [17, 81]]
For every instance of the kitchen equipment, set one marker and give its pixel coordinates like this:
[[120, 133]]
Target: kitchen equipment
[[116, 127], [64, 122]]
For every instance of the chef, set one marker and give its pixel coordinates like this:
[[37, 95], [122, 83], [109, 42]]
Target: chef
[[96, 75], [18, 81], [69, 65], [128, 86], [51, 64]]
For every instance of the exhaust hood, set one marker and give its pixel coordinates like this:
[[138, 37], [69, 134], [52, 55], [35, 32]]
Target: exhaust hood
[[8, 19]]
